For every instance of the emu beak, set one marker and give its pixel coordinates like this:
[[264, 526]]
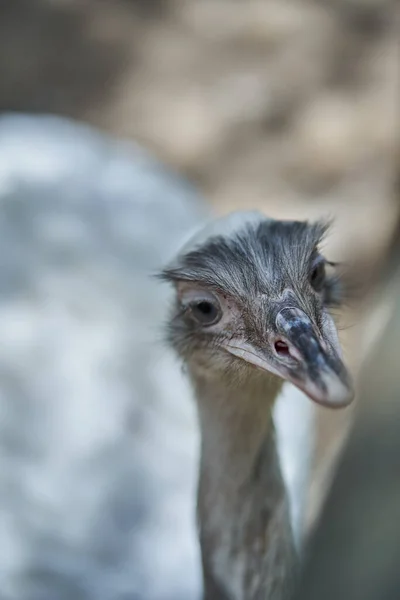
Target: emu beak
[[311, 360]]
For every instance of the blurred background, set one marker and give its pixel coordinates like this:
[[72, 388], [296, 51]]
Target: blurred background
[[289, 106]]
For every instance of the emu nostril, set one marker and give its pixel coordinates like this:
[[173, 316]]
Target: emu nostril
[[282, 348]]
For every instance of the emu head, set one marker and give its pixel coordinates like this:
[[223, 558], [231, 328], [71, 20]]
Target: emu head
[[254, 293]]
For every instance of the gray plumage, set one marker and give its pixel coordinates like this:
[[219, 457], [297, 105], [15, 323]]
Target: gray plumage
[[98, 433]]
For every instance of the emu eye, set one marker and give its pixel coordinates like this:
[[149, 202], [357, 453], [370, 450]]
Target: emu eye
[[317, 276], [205, 312]]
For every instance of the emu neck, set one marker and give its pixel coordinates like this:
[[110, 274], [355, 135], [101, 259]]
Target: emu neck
[[245, 533]]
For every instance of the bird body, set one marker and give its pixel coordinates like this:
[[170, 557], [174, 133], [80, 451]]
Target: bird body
[[99, 436]]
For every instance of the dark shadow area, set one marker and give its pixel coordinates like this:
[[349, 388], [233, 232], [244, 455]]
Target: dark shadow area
[[50, 60], [355, 547]]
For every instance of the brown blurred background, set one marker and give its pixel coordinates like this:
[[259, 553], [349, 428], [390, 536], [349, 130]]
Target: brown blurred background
[[285, 105]]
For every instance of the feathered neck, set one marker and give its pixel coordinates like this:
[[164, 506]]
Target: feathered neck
[[245, 532]]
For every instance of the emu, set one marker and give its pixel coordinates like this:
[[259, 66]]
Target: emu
[[252, 300]]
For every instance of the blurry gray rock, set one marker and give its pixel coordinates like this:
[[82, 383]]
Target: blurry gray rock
[[98, 433], [98, 440]]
